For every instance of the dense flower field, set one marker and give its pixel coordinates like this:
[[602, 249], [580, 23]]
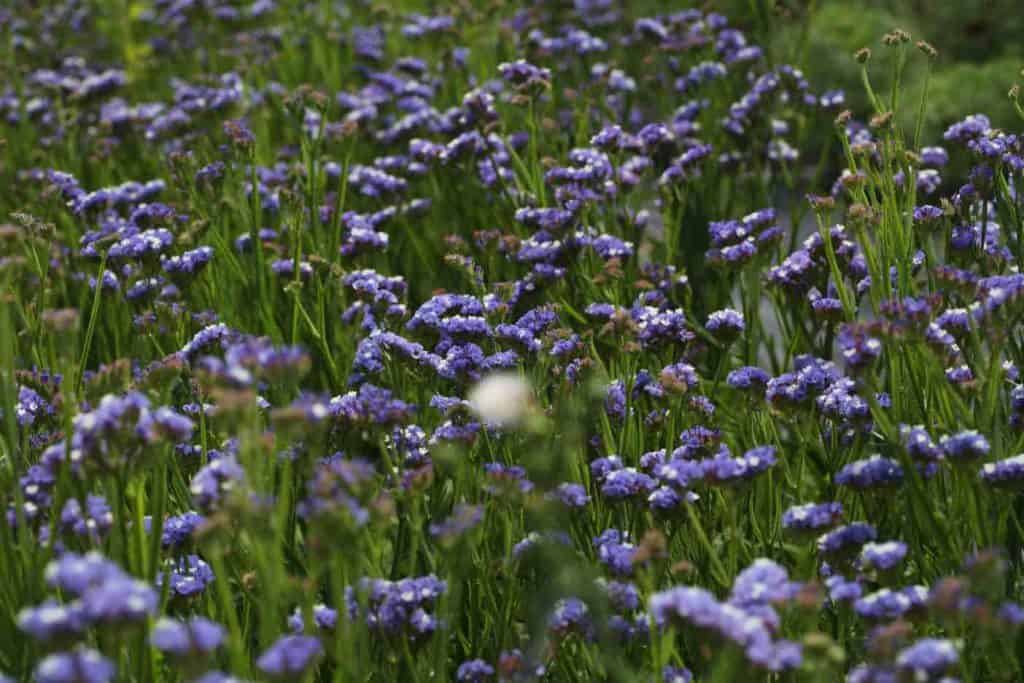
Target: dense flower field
[[506, 342]]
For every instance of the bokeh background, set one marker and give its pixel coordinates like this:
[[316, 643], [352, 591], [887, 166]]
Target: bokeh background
[[980, 44]]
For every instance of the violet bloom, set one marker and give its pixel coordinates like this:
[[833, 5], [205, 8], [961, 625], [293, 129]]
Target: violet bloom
[[290, 656], [76, 574], [52, 621], [188, 576], [196, 637], [928, 658], [813, 517], [78, 666], [571, 615], [887, 604], [463, 519], [324, 618], [212, 484], [120, 600], [474, 671], [965, 447], [572, 495], [727, 470], [846, 540], [883, 556], [871, 473], [725, 325], [749, 378], [1007, 473]]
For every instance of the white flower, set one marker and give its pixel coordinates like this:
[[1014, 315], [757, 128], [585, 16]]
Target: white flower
[[501, 400]]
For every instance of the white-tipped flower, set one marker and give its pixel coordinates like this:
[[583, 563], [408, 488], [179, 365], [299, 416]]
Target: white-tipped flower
[[501, 400]]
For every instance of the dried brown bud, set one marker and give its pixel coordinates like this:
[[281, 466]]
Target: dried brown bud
[[61, 320], [852, 180], [821, 202], [9, 233], [896, 37], [844, 117], [887, 640], [863, 149], [862, 55], [927, 49], [652, 546], [881, 120]]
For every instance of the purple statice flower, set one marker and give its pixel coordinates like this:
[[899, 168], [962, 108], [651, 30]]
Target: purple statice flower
[[197, 637], [859, 349], [725, 469], [290, 657], [846, 540], [143, 246], [521, 73], [285, 268], [77, 666], [1007, 473], [624, 483], [77, 574], [218, 677], [657, 328], [888, 604], [336, 488], [966, 447], [665, 498], [569, 616], [972, 127], [178, 530], [187, 576], [934, 156], [928, 658], [324, 618], [214, 483], [615, 552], [464, 518], [699, 608], [401, 606], [94, 523], [749, 378], [812, 517], [624, 597], [676, 674], [840, 589], [506, 477], [883, 556], [919, 444], [370, 405], [871, 473], [474, 671], [698, 442], [52, 621], [927, 214], [120, 428], [31, 407], [725, 325], [679, 377], [680, 473], [572, 495], [615, 401], [188, 264], [762, 583], [120, 599], [218, 333]]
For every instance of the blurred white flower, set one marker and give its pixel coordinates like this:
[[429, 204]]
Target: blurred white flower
[[501, 400]]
